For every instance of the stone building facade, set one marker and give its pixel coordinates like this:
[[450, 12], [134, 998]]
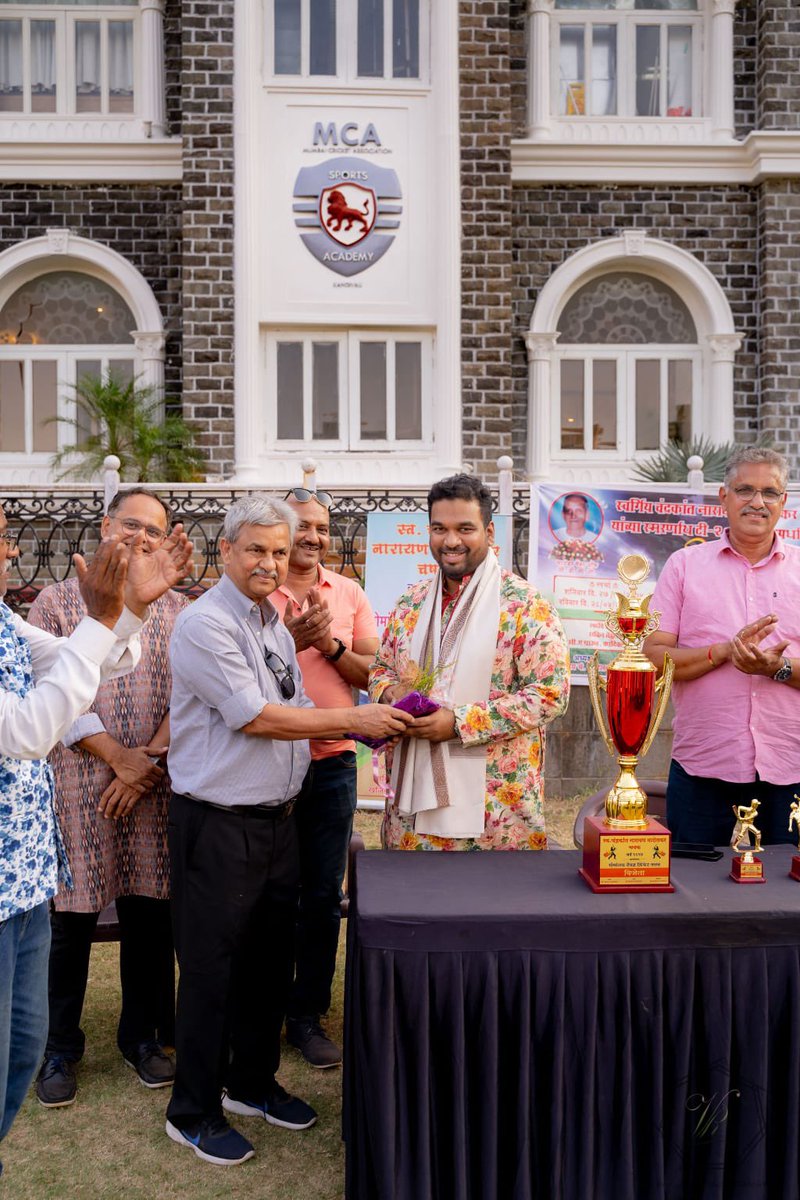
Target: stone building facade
[[515, 165]]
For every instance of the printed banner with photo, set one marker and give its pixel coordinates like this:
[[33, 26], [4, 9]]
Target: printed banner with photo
[[397, 555], [578, 535]]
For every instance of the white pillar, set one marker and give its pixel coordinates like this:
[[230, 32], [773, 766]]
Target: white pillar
[[152, 103], [721, 99], [541, 348], [309, 467], [720, 392], [695, 479], [111, 465], [505, 485], [150, 348], [539, 12]]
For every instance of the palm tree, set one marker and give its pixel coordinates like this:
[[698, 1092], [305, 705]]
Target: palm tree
[[115, 417], [670, 465]]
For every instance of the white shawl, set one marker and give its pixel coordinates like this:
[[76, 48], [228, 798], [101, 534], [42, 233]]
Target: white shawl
[[443, 785]]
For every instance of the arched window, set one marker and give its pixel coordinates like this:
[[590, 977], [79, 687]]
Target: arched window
[[628, 368], [55, 329], [631, 344]]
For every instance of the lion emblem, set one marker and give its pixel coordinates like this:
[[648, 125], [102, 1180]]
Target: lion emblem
[[342, 216]]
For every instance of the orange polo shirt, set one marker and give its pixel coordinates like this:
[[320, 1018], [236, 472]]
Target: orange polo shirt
[[353, 619]]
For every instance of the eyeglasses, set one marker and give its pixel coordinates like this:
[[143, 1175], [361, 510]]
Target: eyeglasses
[[283, 675], [303, 494], [745, 493], [152, 532], [10, 541]]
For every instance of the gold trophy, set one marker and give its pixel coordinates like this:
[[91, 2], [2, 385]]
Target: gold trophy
[[794, 819], [627, 851], [746, 868]]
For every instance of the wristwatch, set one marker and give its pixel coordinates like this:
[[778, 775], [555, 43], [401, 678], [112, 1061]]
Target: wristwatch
[[340, 649], [784, 671]]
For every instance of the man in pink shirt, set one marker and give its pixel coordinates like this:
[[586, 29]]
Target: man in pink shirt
[[336, 638], [730, 618]]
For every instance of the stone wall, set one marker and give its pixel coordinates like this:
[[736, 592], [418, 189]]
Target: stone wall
[[486, 233], [745, 66], [778, 78], [718, 225], [140, 222], [207, 102], [779, 296]]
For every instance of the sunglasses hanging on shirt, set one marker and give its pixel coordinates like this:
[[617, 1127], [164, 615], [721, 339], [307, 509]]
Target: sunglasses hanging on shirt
[[282, 673]]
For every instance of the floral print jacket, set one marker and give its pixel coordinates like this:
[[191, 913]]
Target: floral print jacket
[[529, 688]]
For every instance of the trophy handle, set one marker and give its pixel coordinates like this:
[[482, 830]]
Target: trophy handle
[[663, 687], [596, 685]]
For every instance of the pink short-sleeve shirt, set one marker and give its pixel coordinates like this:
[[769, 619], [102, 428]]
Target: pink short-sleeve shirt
[[729, 725], [353, 619]]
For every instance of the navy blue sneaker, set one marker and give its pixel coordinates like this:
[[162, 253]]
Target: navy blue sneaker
[[278, 1108], [214, 1141]]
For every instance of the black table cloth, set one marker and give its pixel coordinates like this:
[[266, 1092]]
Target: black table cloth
[[509, 1035]]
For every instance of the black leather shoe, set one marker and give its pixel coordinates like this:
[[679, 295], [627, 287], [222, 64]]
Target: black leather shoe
[[155, 1068], [56, 1085], [308, 1036]]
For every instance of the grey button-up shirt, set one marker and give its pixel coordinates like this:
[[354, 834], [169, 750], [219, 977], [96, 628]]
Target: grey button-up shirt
[[220, 682]]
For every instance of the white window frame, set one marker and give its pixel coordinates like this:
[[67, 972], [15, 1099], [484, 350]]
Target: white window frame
[[347, 49], [349, 342], [66, 18], [67, 358], [626, 357], [625, 22]]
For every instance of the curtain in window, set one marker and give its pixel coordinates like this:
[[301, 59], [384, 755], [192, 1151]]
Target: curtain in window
[[10, 56], [604, 70], [87, 57], [572, 86], [679, 78], [43, 56], [120, 58]]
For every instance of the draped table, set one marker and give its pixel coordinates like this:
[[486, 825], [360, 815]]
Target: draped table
[[509, 1035]]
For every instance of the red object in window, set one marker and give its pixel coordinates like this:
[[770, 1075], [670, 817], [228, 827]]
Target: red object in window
[[679, 111]]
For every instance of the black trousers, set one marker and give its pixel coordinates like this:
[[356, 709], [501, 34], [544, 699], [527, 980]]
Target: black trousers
[[146, 972], [325, 807], [234, 902]]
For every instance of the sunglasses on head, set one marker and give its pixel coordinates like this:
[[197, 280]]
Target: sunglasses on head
[[303, 494], [283, 676]]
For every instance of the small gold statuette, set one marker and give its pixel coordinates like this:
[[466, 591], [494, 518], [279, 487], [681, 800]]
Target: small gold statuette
[[626, 850], [794, 819], [746, 868]]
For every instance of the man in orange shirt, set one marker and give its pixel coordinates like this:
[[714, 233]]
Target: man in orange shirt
[[336, 638]]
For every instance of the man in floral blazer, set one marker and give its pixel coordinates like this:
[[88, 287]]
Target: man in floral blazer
[[469, 775]]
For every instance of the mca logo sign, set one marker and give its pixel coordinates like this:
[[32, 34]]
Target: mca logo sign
[[345, 208]]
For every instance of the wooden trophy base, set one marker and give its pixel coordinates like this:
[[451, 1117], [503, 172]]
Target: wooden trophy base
[[626, 860], [794, 869], [748, 869]]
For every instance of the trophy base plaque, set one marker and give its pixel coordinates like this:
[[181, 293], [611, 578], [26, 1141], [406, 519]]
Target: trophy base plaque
[[626, 860], [747, 869], [794, 869]]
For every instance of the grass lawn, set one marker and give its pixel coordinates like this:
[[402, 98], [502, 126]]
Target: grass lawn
[[111, 1145]]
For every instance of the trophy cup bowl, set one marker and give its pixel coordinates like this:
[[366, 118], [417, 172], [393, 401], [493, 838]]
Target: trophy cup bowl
[[625, 850]]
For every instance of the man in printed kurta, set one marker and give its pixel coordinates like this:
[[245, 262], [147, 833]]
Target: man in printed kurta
[[111, 800], [496, 692]]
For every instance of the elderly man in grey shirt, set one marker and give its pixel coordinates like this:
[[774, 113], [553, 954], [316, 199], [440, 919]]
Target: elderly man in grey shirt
[[237, 759]]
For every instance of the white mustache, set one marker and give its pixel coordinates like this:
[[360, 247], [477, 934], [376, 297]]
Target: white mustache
[[263, 574]]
